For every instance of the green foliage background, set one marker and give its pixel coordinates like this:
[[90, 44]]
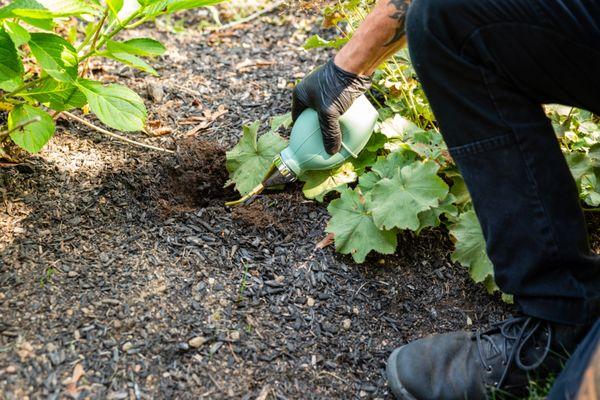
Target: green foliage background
[[45, 47]]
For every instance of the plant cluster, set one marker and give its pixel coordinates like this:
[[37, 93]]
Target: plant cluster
[[405, 178], [45, 50]]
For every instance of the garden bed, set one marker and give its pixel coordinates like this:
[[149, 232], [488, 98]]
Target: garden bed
[[125, 262]]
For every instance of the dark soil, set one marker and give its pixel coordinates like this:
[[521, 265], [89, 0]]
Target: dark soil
[[123, 262], [199, 176]]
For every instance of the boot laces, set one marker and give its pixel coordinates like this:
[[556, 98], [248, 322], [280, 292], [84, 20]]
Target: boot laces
[[517, 334]]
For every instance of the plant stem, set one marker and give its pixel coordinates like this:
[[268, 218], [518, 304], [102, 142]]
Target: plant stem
[[113, 135], [23, 87], [109, 36], [95, 40], [94, 33]]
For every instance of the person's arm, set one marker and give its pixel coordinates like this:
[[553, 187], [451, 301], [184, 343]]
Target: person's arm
[[332, 88], [380, 36]]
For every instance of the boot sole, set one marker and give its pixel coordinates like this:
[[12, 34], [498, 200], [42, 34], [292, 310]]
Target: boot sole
[[396, 387]]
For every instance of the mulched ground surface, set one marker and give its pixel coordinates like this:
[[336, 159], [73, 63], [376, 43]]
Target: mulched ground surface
[[124, 263]]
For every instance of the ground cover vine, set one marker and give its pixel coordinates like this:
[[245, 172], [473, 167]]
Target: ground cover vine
[[405, 179], [46, 47]]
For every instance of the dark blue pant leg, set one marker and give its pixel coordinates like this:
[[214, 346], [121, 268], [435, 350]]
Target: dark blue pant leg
[[568, 383], [487, 66]]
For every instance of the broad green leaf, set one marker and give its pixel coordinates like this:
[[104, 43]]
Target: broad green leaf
[[386, 167], [397, 202], [589, 188], [431, 218], [115, 105], [56, 56], [47, 9], [34, 136], [316, 41], [367, 181], [140, 47], [579, 164], [354, 231], [398, 127], [251, 158], [364, 160], [59, 96], [376, 142], [43, 24], [131, 60], [178, 5], [594, 155], [459, 190], [114, 6], [11, 67], [470, 250], [318, 183], [154, 8], [17, 33], [278, 121]]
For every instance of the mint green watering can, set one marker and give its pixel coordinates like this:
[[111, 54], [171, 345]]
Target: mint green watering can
[[306, 152]]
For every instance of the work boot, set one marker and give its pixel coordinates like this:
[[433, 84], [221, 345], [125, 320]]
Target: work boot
[[463, 365]]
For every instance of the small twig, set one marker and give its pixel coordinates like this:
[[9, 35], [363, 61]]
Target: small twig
[[249, 17], [331, 374], [86, 64], [113, 135], [4, 134]]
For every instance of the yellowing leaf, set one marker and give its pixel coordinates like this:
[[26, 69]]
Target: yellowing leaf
[[318, 183]]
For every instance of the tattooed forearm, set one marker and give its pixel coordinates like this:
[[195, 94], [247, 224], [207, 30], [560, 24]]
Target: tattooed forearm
[[400, 17]]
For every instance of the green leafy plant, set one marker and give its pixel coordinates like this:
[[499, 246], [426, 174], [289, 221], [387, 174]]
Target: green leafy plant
[[46, 47], [405, 178]]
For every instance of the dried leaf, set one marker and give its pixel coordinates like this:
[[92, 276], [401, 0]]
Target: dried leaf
[[328, 240]]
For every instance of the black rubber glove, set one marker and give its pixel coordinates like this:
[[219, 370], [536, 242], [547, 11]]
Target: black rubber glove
[[330, 91]]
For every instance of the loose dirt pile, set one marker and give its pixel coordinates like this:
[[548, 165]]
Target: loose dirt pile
[[199, 177]]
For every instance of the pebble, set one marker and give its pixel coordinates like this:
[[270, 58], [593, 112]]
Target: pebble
[[156, 92], [11, 369], [328, 327], [198, 341], [310, 302], [234, 336], [183, 346], [127, 346], [72, 274], [346, 324]]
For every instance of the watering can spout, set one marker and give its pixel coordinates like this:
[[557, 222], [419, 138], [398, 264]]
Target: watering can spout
[[277, 175]]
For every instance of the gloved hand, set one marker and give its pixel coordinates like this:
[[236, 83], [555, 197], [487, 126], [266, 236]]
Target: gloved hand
[[330, 91]]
